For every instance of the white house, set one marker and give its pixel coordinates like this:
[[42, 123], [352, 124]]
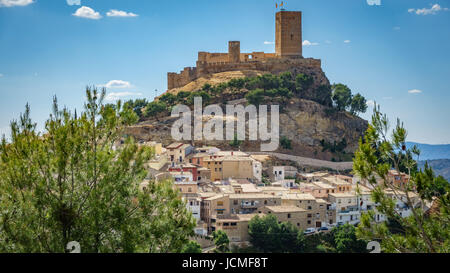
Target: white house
[[346, 206]]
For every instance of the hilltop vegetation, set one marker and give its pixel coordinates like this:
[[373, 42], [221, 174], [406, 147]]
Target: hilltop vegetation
[[317, 119], [267, 88]]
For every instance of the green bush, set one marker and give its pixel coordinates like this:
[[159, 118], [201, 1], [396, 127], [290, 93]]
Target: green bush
[[286, 143]]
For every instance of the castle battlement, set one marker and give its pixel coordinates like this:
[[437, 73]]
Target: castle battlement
[[288, 46]]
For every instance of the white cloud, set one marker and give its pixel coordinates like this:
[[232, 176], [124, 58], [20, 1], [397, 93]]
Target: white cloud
[[120, 13], [14, 3], [119, 95], [328, 42], [415, 91], [269, 43], [117, 84], [347, 41], [428, 11], [397, 28], [1, 75], [374, 2], [74, 2], [308, 43], [87, 12]]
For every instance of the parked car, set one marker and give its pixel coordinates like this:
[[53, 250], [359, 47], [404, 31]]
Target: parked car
[[323, 229], [310, 231]]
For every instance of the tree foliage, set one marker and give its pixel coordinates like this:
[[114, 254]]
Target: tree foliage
[[221, 241], [269, 236], [192, 248], [74, 183], [420, 232], [342, 96], [345, 101], [155, 108], [345, 240], [358, 104]]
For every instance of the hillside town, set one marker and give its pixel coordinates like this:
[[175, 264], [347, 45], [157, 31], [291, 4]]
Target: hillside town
[[224, 190]]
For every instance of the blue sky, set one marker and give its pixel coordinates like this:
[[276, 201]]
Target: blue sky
[[395, 53]]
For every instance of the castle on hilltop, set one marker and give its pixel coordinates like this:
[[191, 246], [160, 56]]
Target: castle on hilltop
[[288, 54]]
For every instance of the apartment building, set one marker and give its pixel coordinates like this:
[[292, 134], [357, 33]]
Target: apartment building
[[346, 207], [251, 203], [212, 207], [316, 208]]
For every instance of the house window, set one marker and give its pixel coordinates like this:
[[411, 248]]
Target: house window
[[220, 203], [289, 216]]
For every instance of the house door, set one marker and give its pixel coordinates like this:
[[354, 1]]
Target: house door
[[318, 224]]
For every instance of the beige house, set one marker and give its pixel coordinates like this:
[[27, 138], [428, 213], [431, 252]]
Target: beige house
[[186, 187], [292, 214], [346, 206], [177, 152], [339, 184], [251, 203], [211, 208], [235, 167], [235, 226], [316, 208]]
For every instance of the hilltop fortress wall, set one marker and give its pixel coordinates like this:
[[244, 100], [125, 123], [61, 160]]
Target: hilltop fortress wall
[[288, 55]]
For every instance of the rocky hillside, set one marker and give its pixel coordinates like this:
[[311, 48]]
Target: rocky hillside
[[307, 122]]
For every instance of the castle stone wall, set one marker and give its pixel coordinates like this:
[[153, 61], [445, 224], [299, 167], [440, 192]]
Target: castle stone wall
[[270, 65], [234, 52], [288, 38], [288, 45]]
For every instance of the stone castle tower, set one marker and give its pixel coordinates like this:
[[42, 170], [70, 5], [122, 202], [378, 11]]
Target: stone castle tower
[[288, 54], [288, 38]]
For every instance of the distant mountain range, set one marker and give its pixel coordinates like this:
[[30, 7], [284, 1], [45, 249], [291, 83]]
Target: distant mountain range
[[431, 152], [437, 156], [440, 167]]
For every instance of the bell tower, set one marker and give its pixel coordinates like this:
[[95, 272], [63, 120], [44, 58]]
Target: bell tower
[[288, 38]]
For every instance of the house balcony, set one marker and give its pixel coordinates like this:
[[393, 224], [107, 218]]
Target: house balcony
[[249, 205]]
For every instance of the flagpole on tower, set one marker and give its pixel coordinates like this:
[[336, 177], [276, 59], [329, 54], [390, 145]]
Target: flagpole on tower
[[281, 5]]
